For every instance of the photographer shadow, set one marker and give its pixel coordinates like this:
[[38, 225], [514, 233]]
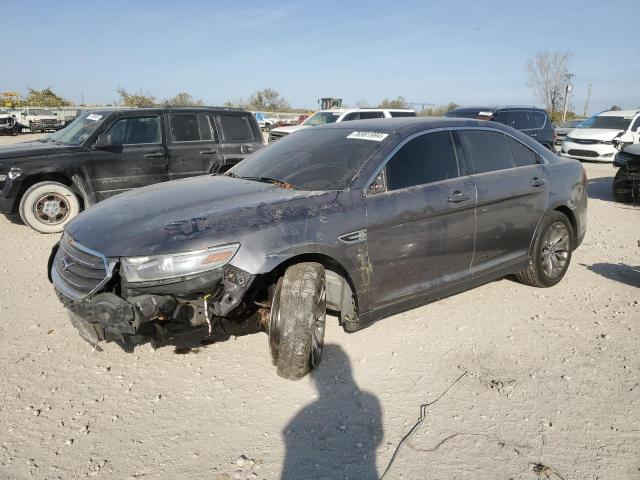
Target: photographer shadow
[[337, 435]]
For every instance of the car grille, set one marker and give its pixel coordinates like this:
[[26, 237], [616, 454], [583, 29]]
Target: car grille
[[4, 121], [77, 271], [583, 141], [273, 136], [583, 153]]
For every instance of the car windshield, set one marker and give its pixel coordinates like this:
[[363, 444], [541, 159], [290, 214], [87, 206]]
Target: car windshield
[[571, 124], [606, 122], [79, 130], [314, 159], [40, 111], [321, 118]]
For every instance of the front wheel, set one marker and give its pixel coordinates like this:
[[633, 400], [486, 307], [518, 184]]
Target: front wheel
[[622, 186], [48, 206], [551, 252], [298, 319]]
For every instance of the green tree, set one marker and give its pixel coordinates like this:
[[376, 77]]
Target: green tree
[[183, 99], [399, 102], [44, 98], [136, 99], [268, 99]]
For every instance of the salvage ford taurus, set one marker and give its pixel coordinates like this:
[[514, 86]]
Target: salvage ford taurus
[[364, 219]]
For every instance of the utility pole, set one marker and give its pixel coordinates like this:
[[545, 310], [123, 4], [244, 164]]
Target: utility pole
[[586, 104], [568, 88]]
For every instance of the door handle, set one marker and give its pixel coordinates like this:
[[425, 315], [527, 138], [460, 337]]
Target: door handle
[[533, 134], [208, 152], [458, 196], [537, 182], [154, 154]]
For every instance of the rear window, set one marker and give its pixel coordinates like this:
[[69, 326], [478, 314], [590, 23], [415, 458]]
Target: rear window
[[190, 128], [402, 114], [537, 119], [236, 128], [489, 151]]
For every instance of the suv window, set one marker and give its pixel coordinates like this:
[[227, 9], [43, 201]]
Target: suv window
[[503, 117], [520, 120], [489, 151], [190, 128], [135, 131], [522, 155], [636, 125], [537, 119], [350, 116], [366, 115], [236, 128], [425, 159], [402, 114]]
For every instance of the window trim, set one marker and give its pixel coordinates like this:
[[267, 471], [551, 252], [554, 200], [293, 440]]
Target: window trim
[[126, 117], [195, 114], [541, 159]]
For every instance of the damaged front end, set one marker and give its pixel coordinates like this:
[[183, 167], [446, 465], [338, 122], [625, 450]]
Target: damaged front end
[[134, 300]]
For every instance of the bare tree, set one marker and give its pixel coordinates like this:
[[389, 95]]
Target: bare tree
[[547, 72], [399, 102], [268, 99]]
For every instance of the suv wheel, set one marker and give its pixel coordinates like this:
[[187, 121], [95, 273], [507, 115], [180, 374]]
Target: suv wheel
[[48, 206], [622, 187], [298, 318], [551, 252]]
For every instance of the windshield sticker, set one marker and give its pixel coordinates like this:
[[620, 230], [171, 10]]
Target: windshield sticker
[[373, 136], [94, 116], [485, 114]]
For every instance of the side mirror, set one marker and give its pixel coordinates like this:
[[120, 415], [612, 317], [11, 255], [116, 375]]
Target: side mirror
[[103, 142], [378, 185]]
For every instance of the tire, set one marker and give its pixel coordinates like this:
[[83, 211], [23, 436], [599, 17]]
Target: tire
[[267, 128], [48, 206], [622, 187], [550, 253], [298, 318]]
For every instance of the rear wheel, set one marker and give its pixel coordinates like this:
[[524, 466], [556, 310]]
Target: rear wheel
[[551, 252], [622, 186], [48, 206], [298, 319]]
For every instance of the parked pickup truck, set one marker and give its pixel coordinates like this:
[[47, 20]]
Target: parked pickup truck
[[39, 119], [106, 152]]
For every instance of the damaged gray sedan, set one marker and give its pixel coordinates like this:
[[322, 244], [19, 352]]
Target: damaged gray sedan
[[362, 219]]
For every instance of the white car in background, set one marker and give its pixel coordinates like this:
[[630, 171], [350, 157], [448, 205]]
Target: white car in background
[[594, 138], [334, 115]]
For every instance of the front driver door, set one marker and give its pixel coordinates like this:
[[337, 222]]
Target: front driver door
[[420, 227], [136, 158]]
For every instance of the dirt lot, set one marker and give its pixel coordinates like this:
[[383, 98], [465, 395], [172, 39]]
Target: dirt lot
[[553, 389]]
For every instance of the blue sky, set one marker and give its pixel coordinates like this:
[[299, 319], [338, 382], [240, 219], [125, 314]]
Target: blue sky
[[455, 50]]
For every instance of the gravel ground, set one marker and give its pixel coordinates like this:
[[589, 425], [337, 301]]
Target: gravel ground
[[551, 388]]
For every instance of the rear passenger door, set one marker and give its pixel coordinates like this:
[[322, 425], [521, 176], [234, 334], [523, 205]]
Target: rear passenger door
[[511, 183], [137, 157], [237, 137], [193, 146], [420, 220]]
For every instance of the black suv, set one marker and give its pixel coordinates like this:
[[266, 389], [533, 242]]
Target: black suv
[[533, 121], [106, 152]]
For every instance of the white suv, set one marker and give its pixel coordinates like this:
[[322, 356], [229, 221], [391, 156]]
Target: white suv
[[334, 115], [593, 139]]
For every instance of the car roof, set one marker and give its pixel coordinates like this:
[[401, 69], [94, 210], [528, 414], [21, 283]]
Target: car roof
[[495, 108], [619, 113], [350, 110], [162, 109]]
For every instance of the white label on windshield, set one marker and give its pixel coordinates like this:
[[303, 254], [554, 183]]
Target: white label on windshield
[[485, 114], [94, 116], [373, 136]]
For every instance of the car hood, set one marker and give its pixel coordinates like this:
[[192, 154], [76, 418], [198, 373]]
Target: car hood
[[188, 214], [29, 149], [595, 134], [291, 129]]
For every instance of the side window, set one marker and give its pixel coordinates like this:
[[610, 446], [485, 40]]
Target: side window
[[135, 131], [520, 120], [366, 115], [503, 118], [537, 119], [403, 114], [522, 155], [350, 116], [190, 128], [489, 151], [425, 159], [236, 128], [636, 125]]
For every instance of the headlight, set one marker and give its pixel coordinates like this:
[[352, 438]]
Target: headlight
[[14, 173], [163, 267]]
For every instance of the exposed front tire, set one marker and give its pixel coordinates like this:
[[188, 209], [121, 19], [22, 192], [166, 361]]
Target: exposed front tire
[[622, 186], [551, 252], [298, 319], [48, 206]]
